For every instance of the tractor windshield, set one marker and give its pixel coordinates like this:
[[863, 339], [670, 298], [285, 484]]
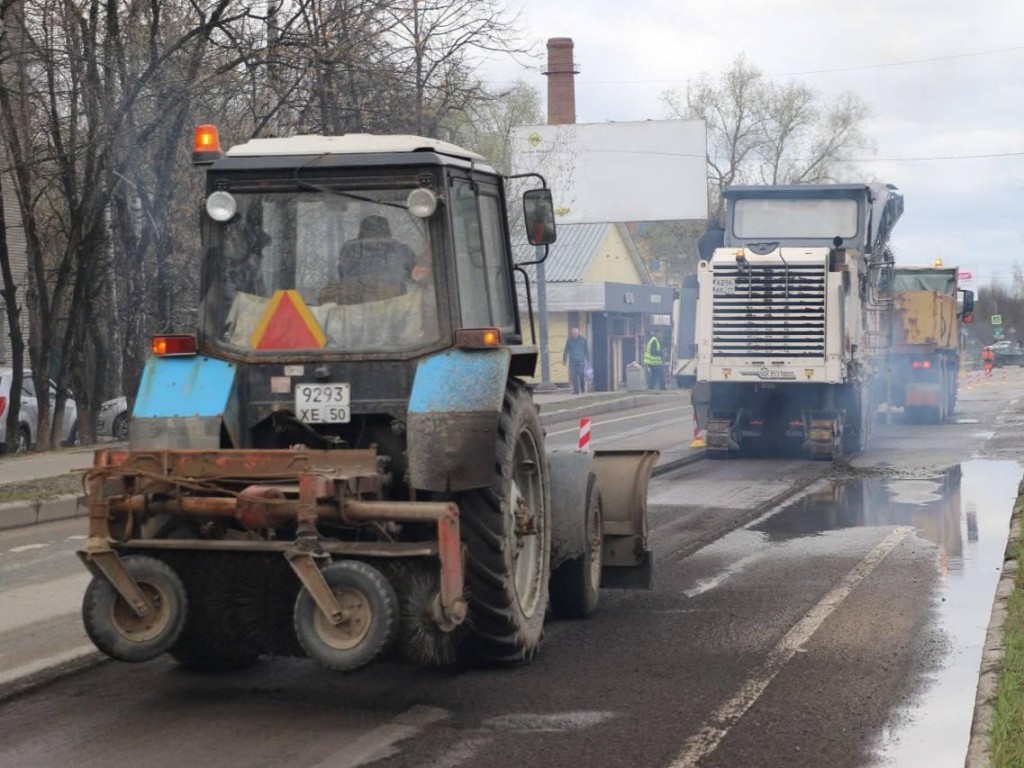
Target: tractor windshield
[[312, 270]]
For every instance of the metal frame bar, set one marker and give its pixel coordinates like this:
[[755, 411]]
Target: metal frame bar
[[321, 485]]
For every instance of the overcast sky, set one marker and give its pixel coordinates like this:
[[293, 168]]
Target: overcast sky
[[967, 212]]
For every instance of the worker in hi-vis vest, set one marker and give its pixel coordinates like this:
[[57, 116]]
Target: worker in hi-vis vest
[[654, 362]]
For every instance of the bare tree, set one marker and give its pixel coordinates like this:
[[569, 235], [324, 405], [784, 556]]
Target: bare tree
[[436, 40], [488, 127], [763, 132]]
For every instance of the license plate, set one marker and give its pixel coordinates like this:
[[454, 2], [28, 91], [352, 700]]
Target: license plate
[[723, 286], [323, 403]]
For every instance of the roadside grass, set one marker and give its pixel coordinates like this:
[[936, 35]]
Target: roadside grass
[[1006, 737], [44, 488]]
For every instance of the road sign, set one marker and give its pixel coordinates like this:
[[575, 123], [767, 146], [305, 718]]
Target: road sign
[[997, 332], [997, 319]]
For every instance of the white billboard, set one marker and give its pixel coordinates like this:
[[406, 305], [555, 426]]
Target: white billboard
[[654, 170], [967, 280]]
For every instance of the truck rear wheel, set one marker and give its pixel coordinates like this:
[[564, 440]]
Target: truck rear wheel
[[507, 530], [368, 598], [114, 627], [576, 584]]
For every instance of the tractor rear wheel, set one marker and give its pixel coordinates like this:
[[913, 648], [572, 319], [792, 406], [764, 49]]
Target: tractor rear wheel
[[114, 627], [576, 584], [507, 530]]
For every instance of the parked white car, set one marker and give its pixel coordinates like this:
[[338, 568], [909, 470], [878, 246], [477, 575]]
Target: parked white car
[[113, 419], [28, 416]]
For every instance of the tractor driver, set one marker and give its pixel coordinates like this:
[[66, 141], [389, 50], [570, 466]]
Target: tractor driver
[[375, 265]]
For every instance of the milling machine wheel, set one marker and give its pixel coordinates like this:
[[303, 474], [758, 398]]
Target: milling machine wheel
[[372, 609], [576, 584], [113, 626], [507, 530]]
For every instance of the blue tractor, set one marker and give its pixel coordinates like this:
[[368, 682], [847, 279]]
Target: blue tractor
[[345, 458]]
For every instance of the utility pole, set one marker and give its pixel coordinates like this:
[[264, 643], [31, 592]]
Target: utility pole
[[542, 316]]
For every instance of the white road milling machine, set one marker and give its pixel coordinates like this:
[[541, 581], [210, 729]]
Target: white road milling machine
[[792, 318]]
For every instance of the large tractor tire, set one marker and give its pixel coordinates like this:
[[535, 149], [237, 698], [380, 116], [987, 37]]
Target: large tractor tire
[[507, 530], [368, 598], [113, 626], [576, 584]]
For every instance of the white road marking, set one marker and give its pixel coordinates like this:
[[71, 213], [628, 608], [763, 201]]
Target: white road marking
[[716, 727], [551, 721], [465, 751], [380, 742], [620, 418], [40, 665], [28, 547], [80, 537], [38, 602]]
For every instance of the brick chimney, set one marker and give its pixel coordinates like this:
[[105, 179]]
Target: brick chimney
[[561, 72]]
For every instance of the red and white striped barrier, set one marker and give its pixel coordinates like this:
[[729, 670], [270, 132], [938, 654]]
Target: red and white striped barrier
[[584, 442]]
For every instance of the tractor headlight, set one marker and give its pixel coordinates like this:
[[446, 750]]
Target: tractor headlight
[[421, 203], [221, 206]]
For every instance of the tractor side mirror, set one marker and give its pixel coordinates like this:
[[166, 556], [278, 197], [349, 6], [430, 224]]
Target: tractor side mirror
[[539, 211]]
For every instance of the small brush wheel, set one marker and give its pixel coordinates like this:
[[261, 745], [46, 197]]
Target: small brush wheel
[[371, 624], [115, 628]]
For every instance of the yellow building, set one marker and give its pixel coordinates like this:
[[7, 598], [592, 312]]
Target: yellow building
[[595, 280]]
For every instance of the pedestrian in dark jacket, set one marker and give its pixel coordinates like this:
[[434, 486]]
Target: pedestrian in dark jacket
[[576, 356]]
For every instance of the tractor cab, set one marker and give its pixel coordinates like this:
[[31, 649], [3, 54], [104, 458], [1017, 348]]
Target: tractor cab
[[332, 268], [355, 247]]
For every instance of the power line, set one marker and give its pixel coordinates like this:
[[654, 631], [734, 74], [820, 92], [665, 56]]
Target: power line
[[920, 159], [855, 68], [908, 62]]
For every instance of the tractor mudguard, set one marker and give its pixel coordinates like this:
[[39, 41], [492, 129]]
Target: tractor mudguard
[[569, 473], [456, 401], [623, 477], [183, 402]]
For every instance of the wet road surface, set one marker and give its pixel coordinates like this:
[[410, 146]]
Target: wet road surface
[[804, 614]]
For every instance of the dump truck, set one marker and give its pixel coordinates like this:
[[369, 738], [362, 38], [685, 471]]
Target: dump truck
[[792, 318], [343, 461], [923, 365]]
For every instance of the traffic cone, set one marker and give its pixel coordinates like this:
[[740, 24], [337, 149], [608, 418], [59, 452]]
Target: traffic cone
[[698, 438], [1003, 378]]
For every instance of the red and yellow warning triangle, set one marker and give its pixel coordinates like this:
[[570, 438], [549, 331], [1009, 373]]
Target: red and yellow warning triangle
[[287, 323]]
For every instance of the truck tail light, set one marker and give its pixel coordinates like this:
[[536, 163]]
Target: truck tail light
[[921, 364], [3, 405], [178, 344], [477, 338]]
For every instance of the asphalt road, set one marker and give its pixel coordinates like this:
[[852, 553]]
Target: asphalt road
[[803, 614]]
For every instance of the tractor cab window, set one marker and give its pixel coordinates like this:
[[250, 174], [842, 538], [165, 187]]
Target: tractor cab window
[[313, 270], [481, 257]]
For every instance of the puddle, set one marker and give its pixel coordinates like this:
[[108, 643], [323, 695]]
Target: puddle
[[965, 511]]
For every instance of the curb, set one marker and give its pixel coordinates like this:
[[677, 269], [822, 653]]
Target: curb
[[20, 514], [595, 409], [978, 755], [683, 461]]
